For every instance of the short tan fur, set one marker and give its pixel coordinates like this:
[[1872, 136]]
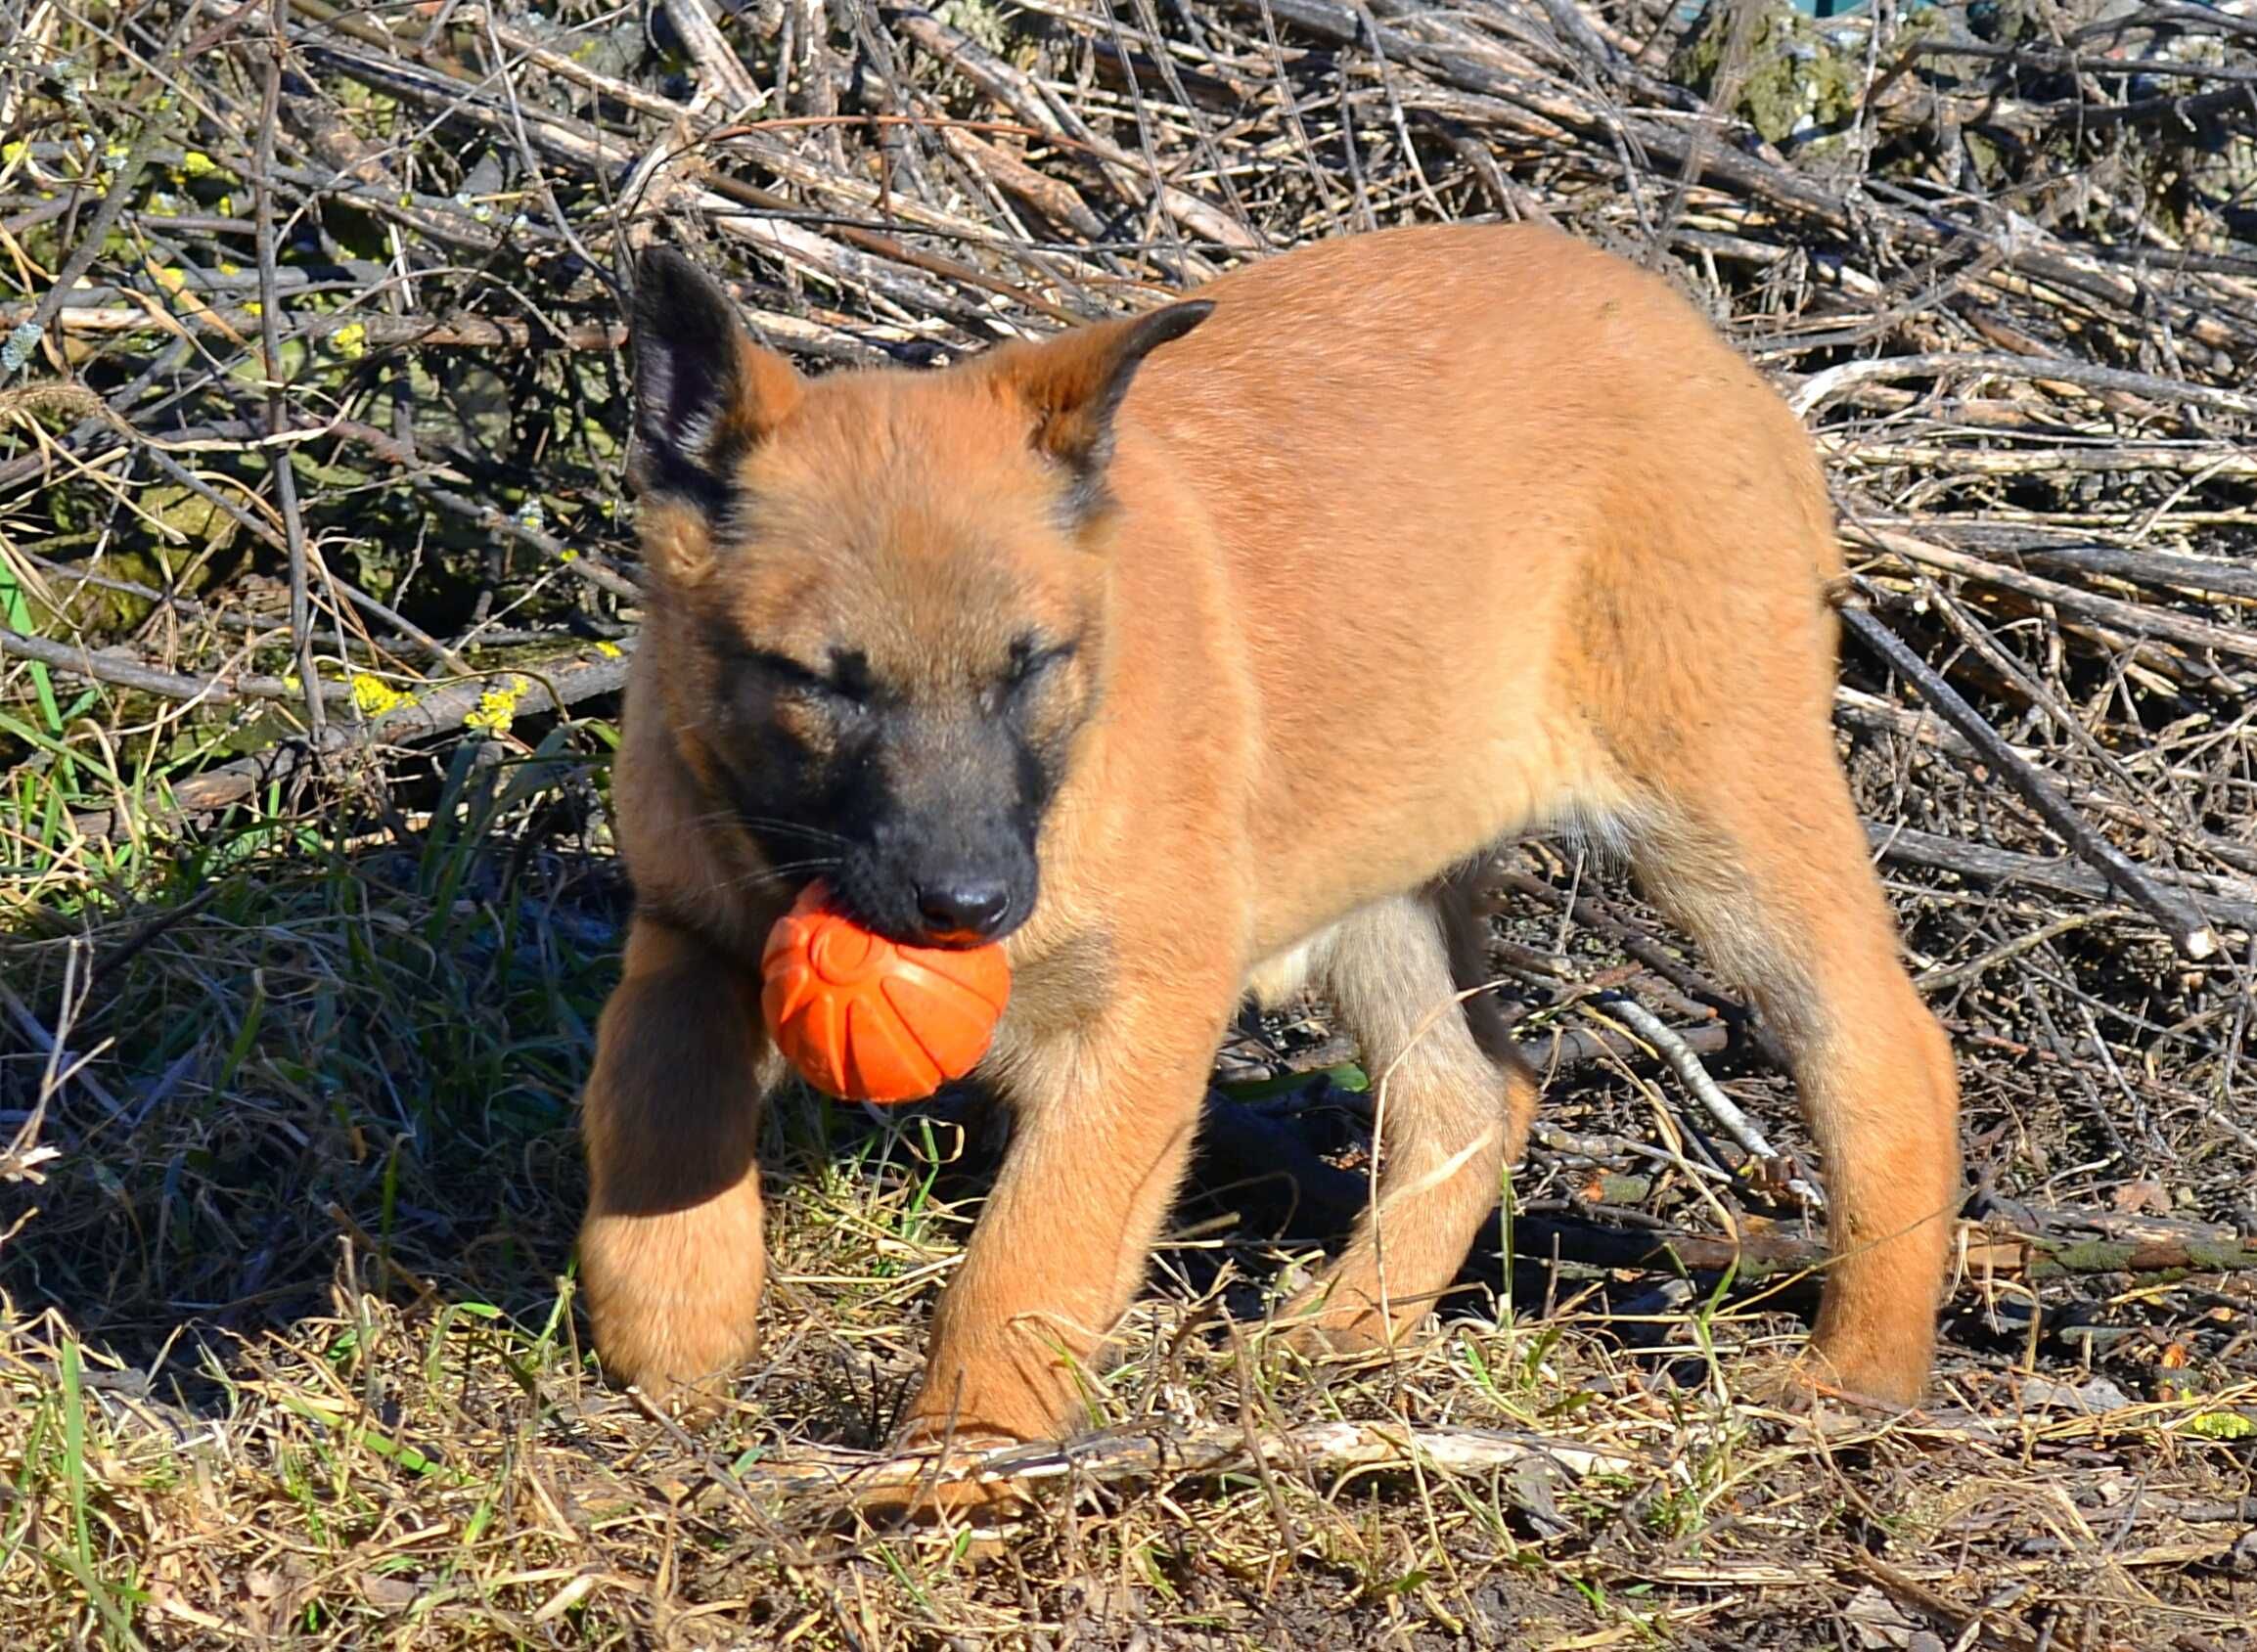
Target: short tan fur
[[1418, 541]]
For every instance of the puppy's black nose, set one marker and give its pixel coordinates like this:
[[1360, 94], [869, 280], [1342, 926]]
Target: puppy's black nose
[[963, 909]]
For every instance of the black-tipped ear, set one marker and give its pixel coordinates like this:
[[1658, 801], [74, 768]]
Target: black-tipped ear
[[1074, 385], [705, 393]]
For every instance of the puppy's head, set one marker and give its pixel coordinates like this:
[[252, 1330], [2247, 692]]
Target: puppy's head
[[881, 596]]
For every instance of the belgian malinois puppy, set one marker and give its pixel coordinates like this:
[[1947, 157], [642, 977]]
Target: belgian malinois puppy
[[1203, 652]]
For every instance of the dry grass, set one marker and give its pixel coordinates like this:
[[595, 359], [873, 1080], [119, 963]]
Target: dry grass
[[307, 902]]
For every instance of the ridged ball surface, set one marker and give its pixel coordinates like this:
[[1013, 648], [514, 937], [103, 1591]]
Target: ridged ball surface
[[866, 1019]]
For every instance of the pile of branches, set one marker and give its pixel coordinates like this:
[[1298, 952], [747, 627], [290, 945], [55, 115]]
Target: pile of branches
[[312, 425], [314, 399]]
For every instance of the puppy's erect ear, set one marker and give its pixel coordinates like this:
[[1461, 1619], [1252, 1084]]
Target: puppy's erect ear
[[705, 393], [1073, 385]]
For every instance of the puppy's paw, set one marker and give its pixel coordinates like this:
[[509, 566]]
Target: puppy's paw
[[938, 1476], [1806, 1385]]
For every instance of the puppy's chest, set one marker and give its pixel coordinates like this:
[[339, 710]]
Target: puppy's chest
[[1062, 986]]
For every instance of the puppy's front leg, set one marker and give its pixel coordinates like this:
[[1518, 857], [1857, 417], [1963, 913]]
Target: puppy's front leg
[[1104, 1127], [671, 1253]]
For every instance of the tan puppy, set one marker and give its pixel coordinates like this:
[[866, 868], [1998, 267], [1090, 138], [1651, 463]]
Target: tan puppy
[[1212, 675]]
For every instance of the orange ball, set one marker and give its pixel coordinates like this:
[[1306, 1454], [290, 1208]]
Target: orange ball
[[867, 1021]]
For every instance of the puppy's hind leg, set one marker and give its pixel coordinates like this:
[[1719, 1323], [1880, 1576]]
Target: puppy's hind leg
[[1753, 845], [1454, 1107]]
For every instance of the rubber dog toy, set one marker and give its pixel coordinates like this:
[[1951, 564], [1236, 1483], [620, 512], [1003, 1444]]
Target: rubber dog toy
[[866, 1019]]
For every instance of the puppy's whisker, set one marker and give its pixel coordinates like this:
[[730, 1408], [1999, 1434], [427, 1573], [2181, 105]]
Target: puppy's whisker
[[793, 828], [770, 825], [770, 876]]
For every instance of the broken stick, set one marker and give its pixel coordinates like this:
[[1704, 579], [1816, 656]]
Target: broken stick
[[2189, 929]]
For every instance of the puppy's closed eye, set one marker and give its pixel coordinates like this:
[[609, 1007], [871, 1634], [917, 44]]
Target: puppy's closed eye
[[843, 683], [1031, 657]]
